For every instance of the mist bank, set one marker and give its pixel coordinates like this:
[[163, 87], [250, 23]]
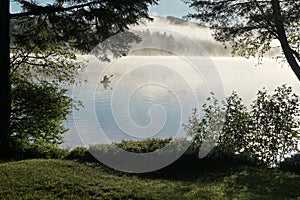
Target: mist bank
[[167, 44], [173, 36]]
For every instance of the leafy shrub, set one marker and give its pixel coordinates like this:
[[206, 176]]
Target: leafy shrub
[[161, 149], [38, 150], [80, 154], [206, 128], [38, 111], [266, 134], [275, 122], [225, 126], [144, 146], [236, 128]]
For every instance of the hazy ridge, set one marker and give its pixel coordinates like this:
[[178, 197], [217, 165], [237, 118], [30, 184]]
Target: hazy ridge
[[174, 36]]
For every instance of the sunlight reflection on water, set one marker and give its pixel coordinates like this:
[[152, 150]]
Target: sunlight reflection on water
[[237, 74]]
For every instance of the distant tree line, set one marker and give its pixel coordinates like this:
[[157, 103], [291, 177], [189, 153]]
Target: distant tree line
[[176, 43]]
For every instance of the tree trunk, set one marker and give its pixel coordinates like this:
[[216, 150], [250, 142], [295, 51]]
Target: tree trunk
[[288, 52], [5, 87]]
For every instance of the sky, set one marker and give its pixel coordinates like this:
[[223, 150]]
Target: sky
[[174, 8]]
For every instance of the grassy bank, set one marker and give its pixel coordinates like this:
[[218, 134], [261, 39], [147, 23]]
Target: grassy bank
[[63, 179]]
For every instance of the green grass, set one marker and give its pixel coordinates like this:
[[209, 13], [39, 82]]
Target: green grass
[[62, 179]]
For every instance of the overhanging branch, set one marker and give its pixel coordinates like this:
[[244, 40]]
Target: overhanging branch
[[50, 9]]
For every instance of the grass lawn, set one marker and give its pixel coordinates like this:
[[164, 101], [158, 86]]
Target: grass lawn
[[63, 179]]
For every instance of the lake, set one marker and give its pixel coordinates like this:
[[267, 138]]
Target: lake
[[151, 96]]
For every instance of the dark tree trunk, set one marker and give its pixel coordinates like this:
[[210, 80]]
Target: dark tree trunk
[[5, 87], [288, 52]]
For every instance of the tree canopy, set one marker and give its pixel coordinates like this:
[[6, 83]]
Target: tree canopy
[[250, 26], [39, 47]]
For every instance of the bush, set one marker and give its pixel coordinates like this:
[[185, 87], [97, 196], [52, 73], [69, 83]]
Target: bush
[[144, 146], [38, 111], [266, 134], [236, 129], [226, 126], [38, 150], [161, 150], [275, 120], [80, 154], [206, 129]]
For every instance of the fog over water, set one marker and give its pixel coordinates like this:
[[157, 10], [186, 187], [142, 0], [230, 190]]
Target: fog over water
[[151, 95]]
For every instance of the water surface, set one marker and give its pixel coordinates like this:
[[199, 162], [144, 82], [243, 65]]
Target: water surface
[[151, 96]]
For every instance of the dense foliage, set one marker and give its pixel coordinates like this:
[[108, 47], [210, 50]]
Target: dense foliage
[[38, 111], [268, 132], [44, 42], [275, 120]]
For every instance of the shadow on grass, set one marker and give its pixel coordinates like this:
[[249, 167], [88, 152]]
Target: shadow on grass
[[264, 183]]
